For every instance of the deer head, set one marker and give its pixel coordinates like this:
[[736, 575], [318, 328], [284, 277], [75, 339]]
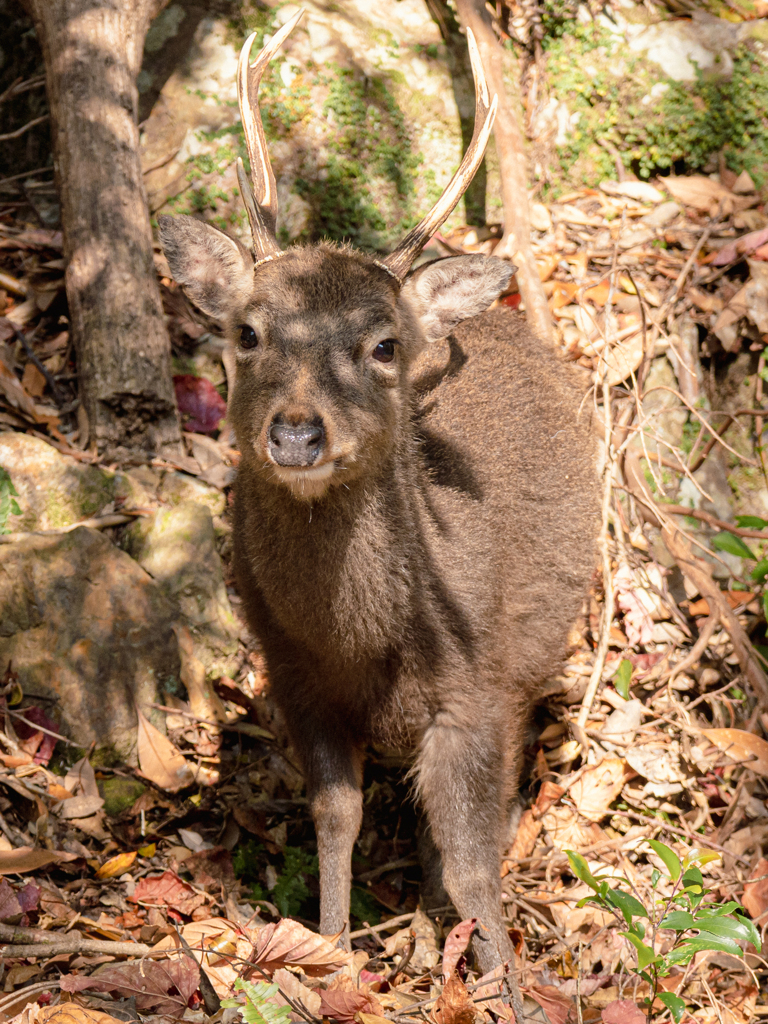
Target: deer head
[[325, 334]]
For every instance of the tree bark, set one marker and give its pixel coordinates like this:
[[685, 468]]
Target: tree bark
[[515, 243], [92, 57]]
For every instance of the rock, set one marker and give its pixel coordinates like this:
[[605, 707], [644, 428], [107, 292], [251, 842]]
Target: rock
[[661, 216], [87, 629], [540, 218], [54, 490], [119, 793], [682, 46], [176, 488], [177, 547], [743, 185], [662, 410], [640, 191]]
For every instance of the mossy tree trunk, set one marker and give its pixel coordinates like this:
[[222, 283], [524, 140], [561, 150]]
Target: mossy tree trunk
[[515, 242], [92, 56]]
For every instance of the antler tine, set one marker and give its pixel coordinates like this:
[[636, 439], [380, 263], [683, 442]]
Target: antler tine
[[399, 261], [261, 201]]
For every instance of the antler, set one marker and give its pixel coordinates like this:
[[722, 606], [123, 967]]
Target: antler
[[399, 261], [261, 201]]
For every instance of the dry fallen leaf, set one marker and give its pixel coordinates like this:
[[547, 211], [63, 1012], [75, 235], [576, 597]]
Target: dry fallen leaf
[[741, 746], [24, 859], [454, 1006], [167, 890], [289, 944], [116, 865], [163, 985], [525, 839], [697, 191], [456, 944], [594, 792], [159, 760], [623, 1011], [755, 897], [341, 1005], [71, 1013], [558, 1008], [622, 360]]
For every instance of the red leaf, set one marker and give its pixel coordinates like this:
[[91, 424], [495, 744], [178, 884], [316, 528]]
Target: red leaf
[[341, 1005], [513, 300], [165, 985], [558, 1008], [9, 903], [200, 404], [43, 748], [28, 897], [456, 944], [623, 1011], [167, 890]]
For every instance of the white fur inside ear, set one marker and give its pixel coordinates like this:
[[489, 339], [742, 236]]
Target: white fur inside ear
[[451, 290], [215, 270]]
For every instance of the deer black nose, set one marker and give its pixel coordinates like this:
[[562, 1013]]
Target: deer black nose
[[295, 444]]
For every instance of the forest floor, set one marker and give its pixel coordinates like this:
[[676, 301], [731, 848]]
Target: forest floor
[[145, 893]]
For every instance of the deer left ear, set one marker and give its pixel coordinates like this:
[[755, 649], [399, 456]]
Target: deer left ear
[[447, 291], [215, 270]]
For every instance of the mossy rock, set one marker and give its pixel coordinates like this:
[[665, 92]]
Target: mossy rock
[[120, 793], [54, 490]]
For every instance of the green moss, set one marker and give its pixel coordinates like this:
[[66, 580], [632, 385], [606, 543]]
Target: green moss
[[371, 168], [120, 793], [681, 129]]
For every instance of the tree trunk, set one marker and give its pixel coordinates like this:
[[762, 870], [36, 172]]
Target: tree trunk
[[515, 242], [92, 56]]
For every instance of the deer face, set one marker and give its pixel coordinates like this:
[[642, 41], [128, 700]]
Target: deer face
[[323, 338]]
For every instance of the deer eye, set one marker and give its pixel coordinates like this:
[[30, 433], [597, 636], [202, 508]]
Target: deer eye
[[248, 337], [385, 351]]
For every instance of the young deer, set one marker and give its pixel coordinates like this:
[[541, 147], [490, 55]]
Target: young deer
[[414, 523]]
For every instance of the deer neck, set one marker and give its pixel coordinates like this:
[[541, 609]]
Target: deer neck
[[337, 575]]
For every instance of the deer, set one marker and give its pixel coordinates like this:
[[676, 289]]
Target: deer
[[414, 518]]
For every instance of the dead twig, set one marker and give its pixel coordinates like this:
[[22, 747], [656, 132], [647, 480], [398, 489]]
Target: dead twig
[[24, 128]]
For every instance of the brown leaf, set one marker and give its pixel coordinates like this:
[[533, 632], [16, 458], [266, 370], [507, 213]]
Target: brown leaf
[[525, 838], [558, 1008], [13, 389], [24, 859], [9, 904], [33, 381], [456, 944], [71, 1013], [548, 795], [623, 1011], [163, 985], [594, 792], [342, 1005], [755, 897], [159, 760], [741, 746], [697, 191], [289, 944], [454, 1005], [167, 890]]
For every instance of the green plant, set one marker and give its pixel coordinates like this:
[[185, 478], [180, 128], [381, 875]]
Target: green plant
[[291, 889], [258, 1007], [8, 504], [686, 910]]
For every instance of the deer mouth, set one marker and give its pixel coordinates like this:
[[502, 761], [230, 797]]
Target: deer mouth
[[305, 482]]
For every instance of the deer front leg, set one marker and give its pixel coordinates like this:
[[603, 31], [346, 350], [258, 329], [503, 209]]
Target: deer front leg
[[334, 788], [464, 791]]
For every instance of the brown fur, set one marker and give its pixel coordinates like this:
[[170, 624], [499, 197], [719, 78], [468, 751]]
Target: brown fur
[[424, 593]]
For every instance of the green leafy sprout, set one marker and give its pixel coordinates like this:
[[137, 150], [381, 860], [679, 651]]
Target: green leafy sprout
[[688, 911], [258, 1007], [8, 504], [734, 545]]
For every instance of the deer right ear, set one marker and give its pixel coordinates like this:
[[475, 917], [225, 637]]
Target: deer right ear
[[215, 270]]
